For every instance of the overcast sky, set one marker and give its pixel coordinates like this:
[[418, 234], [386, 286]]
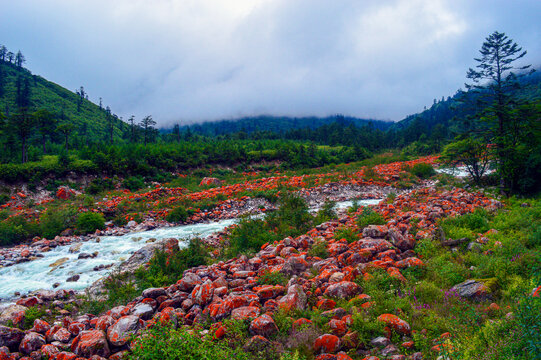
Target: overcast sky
[[196, 60]]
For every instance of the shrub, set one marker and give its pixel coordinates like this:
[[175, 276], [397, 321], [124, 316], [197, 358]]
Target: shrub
[[248, 236], [133, 183], [178, 214], [166, 343], [319, 249], [422, 170], [100, 184], [54, 221], [274, 278], [165, 269], [16, 229], [4, 198], [31, 314], [346, 233], [369, 217], [326, 213], [88, 222], [119, 290], [292, 217]]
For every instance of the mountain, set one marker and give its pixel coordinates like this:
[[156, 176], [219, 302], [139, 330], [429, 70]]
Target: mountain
[[277, 124], [444, 110], [89, 120]]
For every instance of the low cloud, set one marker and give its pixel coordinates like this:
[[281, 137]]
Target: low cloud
[[196, 60]]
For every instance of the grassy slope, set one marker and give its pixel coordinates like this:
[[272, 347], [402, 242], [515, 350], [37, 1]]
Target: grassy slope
[[53, 97]]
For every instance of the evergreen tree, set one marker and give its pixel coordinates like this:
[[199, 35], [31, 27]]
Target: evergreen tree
[[148, 125], [23, 125], [19, 59], [494, 80], [65, 129], [46, 124], [3, 52]]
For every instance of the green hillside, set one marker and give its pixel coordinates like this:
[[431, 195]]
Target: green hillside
[[90, 122]]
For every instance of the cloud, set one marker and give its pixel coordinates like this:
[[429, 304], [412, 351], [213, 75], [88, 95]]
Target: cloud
[[196, 60]]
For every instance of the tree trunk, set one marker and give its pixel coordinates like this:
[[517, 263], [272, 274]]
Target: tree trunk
[[23, 150]]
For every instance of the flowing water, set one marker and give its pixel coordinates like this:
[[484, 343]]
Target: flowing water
[[58, 264]]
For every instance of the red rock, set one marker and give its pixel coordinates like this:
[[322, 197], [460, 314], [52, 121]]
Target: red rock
[[338, 327], [219, 333], [49, 351], [350, 340], [294, 300], [40, 326], [10, 337], [76, 327], [89, 343], [342, 290], [326, 304], [104, 322], [343, 356], [62, 335], [263, 325], [325, 357], [209, 181], [188, 282], [301, 323], [66, 356], [31, 342], [270, 292], [28, 302], [245, 312], [395, 273], [64, 193], [119, 333], [327, 344], [395, 323], [202, 294]]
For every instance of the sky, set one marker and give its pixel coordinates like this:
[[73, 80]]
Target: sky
[[185, 61]]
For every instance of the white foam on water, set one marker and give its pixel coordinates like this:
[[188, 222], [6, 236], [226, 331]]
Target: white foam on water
[[38, 274]]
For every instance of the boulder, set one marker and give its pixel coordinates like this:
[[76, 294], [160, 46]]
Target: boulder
[[10, 337], [294, 300], [327, 344], [11, 313], [395, 323], [119, 333], [90, 343], [245, 312], [31, 342], [473, 289], [343, 290], [263, 325]]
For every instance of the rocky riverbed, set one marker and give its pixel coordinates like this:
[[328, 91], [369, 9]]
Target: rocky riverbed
[[231, 289]]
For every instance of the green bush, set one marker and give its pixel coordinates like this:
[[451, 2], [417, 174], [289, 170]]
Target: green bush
[[16, 230], [179, 214], [248, 236], [99, 185], [369, 217], [165, 269], [31, 314], [166, 343], [326, 213], [4, 198], [274, 278], [422, 170], [119, 290], [88, 222], [319, 249], [56, 220], [133, 183], [292, 217], [346, 233]]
